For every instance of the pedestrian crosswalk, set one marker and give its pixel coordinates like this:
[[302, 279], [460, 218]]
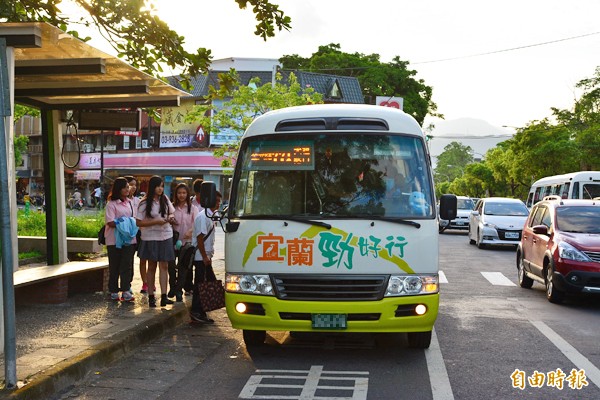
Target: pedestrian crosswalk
[[495, 278]]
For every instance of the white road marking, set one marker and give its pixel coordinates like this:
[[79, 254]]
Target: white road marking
[[592, 373], [498, 279], [307, 389], [438, 376], [443, 278]]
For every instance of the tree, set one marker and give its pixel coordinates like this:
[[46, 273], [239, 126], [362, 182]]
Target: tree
[[376, 78], [583, 122], [135, 32], [20, 146], [452, 161], [244, 104]]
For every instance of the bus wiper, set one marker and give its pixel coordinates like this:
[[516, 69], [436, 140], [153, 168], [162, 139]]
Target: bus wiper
[[306, 221], [396, 220], [282, 217]]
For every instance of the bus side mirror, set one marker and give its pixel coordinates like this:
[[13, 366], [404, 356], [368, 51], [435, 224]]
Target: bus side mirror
[[448, 207], [208, 194]]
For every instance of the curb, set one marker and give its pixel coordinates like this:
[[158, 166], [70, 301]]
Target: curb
[[67, 372]]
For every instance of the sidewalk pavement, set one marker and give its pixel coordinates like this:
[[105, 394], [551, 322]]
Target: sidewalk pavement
[[57, 345]]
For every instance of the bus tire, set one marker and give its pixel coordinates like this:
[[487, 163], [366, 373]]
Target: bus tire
[[254, 338], [419, 340]]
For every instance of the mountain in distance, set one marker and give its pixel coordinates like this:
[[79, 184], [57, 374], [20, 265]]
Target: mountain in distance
[[480, 135]]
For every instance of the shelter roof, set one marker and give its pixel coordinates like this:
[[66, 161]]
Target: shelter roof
[[56, 70]]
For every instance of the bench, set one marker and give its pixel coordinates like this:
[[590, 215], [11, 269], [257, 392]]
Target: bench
[[74, 244], [55, 283]]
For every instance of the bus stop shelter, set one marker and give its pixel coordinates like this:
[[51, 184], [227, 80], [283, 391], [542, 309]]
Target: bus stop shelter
[[43, 67]]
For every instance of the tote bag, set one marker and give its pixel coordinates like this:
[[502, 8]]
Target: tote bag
[[212, 295]]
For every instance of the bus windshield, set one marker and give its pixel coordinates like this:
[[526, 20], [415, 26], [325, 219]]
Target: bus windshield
[[333, 176]]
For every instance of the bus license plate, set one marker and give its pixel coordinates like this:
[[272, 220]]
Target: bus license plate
[[511, 235], [329, 321]]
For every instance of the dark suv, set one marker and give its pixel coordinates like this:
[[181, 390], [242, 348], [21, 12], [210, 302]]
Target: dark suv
[[560, 247]]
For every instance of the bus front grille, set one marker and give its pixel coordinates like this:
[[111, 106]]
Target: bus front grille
[[330, 287]]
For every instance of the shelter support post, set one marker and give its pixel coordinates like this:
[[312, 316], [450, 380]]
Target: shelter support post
[[54, 188], [8, 213]]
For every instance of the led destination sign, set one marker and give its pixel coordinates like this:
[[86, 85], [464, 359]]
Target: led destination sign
[[282, 156]]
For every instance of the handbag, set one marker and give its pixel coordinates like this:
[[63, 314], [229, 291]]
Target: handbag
[[212, 295], [101, 237]]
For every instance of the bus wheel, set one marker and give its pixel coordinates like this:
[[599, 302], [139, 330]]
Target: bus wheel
[[254, 338], [419, 340]]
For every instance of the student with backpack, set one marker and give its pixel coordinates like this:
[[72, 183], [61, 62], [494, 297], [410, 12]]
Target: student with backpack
[[185, 214], [204, 240]]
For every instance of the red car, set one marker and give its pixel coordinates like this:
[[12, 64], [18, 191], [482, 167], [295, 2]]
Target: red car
[[560, 247]]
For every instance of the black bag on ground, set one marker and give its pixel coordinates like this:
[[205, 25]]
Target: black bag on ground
[[101, 237]]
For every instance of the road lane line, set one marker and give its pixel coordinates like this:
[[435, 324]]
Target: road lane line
[[592, 373], [443, 278], [497, 279], [438, 376]]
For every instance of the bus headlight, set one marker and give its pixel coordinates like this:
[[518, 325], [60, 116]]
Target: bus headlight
[[249, 283], [407, 285]]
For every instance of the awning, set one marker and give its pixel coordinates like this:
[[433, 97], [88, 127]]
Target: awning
[[161, 161], [55, 70]]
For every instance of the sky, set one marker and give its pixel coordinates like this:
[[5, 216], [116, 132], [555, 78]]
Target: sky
[[442, 40]]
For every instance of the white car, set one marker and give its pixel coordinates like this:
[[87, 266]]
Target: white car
[[497, 221], [464, 206]]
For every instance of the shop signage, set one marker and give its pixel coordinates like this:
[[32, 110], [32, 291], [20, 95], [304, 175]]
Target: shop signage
[[87, 175], [386, 101], [128, 133], [182, 138], [90, 160]]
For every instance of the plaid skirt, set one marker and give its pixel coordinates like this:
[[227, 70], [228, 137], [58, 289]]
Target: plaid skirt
[[157, 250]]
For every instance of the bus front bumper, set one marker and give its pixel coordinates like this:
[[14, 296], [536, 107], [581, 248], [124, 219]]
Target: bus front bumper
[[391, 314]]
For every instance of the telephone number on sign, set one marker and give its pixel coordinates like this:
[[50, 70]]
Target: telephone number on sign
[[176, 139]]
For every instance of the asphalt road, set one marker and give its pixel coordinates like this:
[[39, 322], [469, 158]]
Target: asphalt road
[[492, 339]]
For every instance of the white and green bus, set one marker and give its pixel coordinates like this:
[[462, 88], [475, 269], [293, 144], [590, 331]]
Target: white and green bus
[[332, 224]]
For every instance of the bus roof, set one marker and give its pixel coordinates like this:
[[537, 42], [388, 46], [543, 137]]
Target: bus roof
[[302, 119], [576, 176]]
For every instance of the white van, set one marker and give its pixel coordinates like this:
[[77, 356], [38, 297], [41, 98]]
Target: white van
[[576, 185], [333, 225]]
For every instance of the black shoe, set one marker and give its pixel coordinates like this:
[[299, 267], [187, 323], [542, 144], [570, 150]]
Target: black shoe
[[198, 317], [152, 300], [171, 293], [178, 298], [164, 301]]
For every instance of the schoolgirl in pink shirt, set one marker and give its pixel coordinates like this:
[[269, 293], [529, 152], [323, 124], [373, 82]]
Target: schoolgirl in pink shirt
[[155, 217]]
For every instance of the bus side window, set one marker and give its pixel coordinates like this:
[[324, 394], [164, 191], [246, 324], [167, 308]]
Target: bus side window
[[565, 190], [575, 194], [536, 196]]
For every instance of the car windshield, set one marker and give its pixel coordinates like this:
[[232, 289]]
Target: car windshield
[[464, 204], [506, 209], [333, 175], [578, 219]]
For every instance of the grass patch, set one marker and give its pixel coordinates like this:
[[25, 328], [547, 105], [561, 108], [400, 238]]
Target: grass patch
[[30, 254], [84, 226]]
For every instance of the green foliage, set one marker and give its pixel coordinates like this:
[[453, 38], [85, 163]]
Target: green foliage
[[30, 254], [452, 161], [132, 28], [376, 78], [85, 226], [21, 110], [20, 145], [244, 104]]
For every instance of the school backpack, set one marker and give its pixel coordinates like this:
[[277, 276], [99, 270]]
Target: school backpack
[[186, 256]]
